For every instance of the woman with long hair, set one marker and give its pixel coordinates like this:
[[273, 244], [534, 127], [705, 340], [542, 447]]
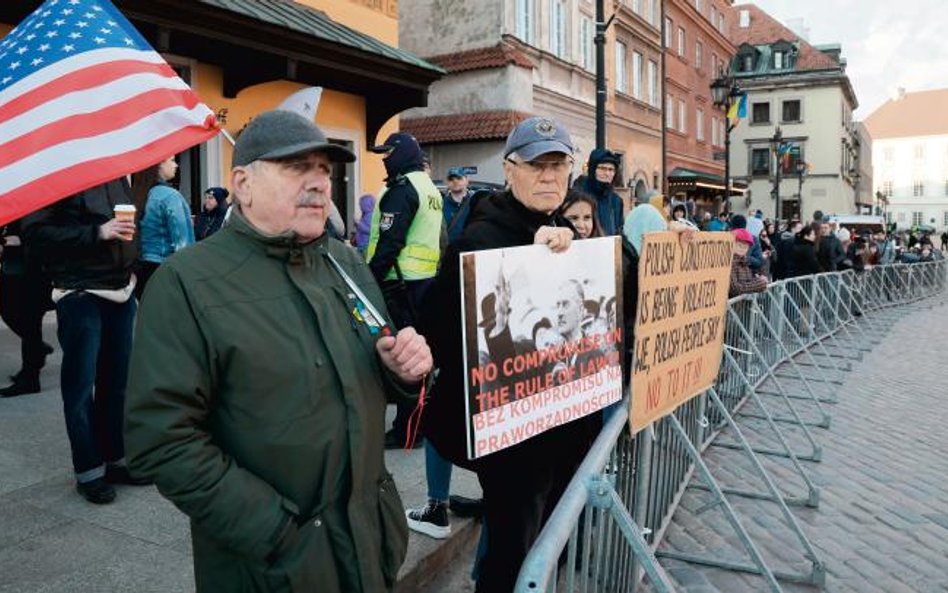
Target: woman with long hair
[[579, 208], [165, 218]]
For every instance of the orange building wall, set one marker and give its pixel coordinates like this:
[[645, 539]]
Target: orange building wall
[[380, 23]]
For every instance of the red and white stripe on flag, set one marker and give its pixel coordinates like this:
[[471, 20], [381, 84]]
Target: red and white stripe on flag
[[90, 118]]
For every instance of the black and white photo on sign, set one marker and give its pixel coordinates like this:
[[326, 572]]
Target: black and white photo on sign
[[544, 328]]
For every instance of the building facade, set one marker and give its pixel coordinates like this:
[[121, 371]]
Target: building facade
[[509, 59], [243, 57], [910, 158], [804, 91], [697, 49]]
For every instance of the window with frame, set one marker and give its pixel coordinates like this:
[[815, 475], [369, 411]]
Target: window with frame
[[715, 140], [653, 83], [780, 60], [714, 15], [699, 125], [622, 80], [637, 7], [699, 6], [721, 22], [682, 116], [669, 32], [918, 188], [746, 63], [917, 218], [760, 113], [699, 58], [681, 41], [558, 28], [653, 8], [714, 64], [669, 112], [789, 165], [760, 161], [586, 36], [887, 188], [525, 20], [791, 111], [637, 72]]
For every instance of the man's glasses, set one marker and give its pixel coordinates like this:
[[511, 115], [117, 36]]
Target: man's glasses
[[538, 167]]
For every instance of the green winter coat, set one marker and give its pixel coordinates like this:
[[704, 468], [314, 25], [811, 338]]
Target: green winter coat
[[257, 404]]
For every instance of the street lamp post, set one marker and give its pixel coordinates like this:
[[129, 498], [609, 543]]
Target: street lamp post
[[723, 93], [776, 141]]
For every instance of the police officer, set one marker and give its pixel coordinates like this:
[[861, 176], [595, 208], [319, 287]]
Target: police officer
[[404, 242]]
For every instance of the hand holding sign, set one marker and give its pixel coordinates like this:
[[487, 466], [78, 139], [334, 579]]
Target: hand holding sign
[[558, 239]]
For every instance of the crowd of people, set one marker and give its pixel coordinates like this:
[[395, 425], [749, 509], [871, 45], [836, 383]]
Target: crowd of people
[[268, 342]]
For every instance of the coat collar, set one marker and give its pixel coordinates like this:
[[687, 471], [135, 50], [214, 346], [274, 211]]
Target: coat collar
[[284, 246]]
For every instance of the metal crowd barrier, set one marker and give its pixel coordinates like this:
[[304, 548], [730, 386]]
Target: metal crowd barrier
[[786, 352]]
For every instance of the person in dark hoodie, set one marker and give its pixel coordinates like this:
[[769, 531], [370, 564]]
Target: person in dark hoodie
[[600, 174], [404, 243], [211, 218], [523, 483]]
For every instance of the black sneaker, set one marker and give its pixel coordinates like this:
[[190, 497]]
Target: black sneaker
[[463, 506], [432, 520], [22, 385], [96, 491], [118, 474]]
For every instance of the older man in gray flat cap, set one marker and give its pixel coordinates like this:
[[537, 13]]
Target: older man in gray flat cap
[[259, 377]]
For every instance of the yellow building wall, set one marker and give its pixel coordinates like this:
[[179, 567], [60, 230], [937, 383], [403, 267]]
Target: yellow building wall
[[336, 111], [381, 23]]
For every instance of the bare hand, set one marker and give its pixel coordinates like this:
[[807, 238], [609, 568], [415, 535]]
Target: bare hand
[[117, 229], [558, 239], [407, 355]]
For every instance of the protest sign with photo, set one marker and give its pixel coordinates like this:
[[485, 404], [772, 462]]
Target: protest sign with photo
[[679, 325], [542, 339]]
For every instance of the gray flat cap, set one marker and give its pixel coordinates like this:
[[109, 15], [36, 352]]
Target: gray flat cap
[[535, 136], [275, 135]]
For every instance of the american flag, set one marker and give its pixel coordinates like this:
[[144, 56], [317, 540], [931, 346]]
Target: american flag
[[83, 100]]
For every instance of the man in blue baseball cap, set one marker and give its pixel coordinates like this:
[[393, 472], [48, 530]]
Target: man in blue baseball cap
[[520, 484], [454, 199]]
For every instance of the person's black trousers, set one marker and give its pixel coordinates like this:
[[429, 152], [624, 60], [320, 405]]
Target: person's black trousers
[[24, 299], [403, 301]]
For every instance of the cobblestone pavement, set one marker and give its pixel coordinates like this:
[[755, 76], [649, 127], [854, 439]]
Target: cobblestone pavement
[[882, 521], [52, 541]]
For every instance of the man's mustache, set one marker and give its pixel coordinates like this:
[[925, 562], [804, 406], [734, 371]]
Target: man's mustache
[[312, 199]]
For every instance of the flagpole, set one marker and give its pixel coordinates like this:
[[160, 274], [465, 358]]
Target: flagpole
[[227, 135]]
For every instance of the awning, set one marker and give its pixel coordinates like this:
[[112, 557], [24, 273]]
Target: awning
[[682, 179], [256, 41]]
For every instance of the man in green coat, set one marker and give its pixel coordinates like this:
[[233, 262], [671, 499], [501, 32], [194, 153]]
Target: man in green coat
[[259, 379]]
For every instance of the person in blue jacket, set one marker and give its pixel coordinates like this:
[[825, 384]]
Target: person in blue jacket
[[165, 219]]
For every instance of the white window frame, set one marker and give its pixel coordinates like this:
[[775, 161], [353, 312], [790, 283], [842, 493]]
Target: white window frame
[[918, 217], [682, 116], [669, 112], [918, 188], [559, 28], [653, 83], [622, 76], [637, 74], [669, 32], [699, 54], [526, 20], [699, 125], [682, 42], [587, 42], [715, 141], [887, 187]]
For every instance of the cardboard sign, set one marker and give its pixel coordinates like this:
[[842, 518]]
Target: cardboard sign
[[542, 339], [679, 325]]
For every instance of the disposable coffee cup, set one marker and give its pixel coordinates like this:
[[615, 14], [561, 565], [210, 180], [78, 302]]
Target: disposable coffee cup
[[125, 212]]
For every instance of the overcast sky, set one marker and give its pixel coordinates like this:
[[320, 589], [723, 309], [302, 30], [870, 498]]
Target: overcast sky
[[887, 43]]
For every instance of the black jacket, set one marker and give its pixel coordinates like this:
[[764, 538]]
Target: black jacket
[[783, 262], [831, 253], [398, 206], [65, 238], [496, 221], [805, 261], [609, 207]]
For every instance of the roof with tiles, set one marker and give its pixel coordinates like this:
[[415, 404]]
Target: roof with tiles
[[467, 127], [764, 30], [911, 114], [502, 54]]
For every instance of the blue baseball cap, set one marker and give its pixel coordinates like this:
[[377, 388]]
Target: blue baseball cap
[[456, 172], [537, 136]]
